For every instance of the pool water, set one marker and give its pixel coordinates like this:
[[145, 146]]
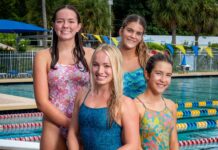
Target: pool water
[[17, 89], [181, 91], [193, 89]]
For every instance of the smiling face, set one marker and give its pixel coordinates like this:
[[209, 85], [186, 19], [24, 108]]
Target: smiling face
[[131, 34], [102, 69], [160, 77], [66, 24]]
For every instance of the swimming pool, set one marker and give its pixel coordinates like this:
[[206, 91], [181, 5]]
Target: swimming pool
[[180, 90], [197, 100]]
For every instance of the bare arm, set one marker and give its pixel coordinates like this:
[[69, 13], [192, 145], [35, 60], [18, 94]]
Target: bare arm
[[40, 78], [174, 145], [73, 134], [130, 123]]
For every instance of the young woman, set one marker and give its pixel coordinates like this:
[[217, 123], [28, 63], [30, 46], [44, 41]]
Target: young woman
[[102, 115], [157, 114], [135, 54], [59, 73]]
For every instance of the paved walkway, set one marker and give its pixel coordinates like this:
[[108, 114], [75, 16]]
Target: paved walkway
[[9, 102]]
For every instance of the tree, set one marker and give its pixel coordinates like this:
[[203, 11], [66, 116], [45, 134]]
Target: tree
[[169, 14], [95, 16], [44, 18], [203, 18]]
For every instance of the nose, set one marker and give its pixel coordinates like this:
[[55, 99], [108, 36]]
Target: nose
[[133, 35], [100, 69], [163, 78], [66, 24]]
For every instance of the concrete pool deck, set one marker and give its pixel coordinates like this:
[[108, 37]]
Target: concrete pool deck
[[9, 102]]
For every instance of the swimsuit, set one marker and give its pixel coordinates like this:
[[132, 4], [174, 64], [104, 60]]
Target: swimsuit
[[134, 83], [155, 128], [95, 131], [64, 83]]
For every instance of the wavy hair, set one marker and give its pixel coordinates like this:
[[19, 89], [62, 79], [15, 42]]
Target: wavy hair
[[142, 48]]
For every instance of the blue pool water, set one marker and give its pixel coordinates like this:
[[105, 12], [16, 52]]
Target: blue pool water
[[181, 90], [17, 89]]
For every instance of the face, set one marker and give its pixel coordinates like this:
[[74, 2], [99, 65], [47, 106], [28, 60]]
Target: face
[[66, 24], [160, 77], [132, 35], [102, 70]]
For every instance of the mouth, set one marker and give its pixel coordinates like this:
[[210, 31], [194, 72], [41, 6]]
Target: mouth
[[98, 77]]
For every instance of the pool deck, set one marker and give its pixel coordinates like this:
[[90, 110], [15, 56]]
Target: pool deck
[[9, 102]]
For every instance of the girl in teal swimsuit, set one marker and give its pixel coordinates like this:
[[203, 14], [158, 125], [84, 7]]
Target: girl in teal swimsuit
[[157, 114], [135, 54], [103, 115]]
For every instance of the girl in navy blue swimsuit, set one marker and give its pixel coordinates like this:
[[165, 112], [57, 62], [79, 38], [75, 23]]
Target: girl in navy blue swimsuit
[[103, 115]]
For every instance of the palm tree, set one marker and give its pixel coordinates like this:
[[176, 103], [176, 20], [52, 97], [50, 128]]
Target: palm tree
[[169, 14], [44, 18], [95, 16], [203, 18]]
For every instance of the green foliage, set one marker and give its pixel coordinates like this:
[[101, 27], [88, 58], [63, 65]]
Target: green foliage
[[95, 16], [8, 39], [155, 46], [214, 45], [22, 45], [156, 30]]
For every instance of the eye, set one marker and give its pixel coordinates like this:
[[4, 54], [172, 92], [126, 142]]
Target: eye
[[139, 33], [59, 21], [71, 21], [95, 64], [169, 75], [130, 30], [107, 66]]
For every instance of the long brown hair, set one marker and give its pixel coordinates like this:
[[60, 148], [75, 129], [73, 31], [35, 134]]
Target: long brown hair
[[78, 51]]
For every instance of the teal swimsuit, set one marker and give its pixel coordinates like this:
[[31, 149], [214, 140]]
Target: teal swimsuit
[[134, 83], [94, 130]]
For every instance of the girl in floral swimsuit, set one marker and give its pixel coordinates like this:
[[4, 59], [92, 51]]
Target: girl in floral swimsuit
[[157, 114], [59, 73]]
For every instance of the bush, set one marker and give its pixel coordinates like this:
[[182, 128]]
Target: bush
[[22, 45], [8, 39], [155, 46]]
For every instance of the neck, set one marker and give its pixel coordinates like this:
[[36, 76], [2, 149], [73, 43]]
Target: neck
[[66, 45], [128, 53], [152, 97]]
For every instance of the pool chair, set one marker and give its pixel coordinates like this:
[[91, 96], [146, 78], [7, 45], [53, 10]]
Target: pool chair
[[13, 73], [29, 73], [184, 66], [3, 75], [22, 75]]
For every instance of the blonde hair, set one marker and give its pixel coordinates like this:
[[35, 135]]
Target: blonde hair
[[116, 87]]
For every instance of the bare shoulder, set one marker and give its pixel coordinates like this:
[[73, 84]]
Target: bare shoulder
[[88, 50], [43, 54], [127, 102], [88, 54], [136, 101], [170, 104]]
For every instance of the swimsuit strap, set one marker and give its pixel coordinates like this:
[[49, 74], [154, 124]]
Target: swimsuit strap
[[146, 107], [141, 102], [164, 102], [86, 95]]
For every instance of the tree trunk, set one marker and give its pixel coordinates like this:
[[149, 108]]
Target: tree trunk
[[173, 33], [196, 39], [44, 17]]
